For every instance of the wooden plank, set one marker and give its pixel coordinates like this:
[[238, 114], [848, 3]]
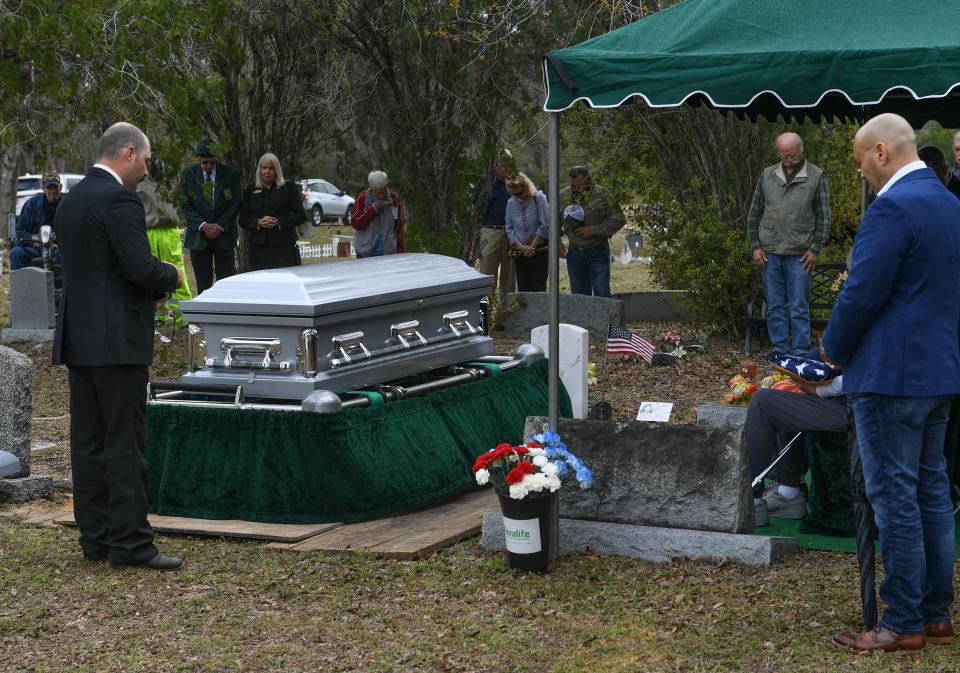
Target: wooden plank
[[279, 532], [412, 535], [38, 514]]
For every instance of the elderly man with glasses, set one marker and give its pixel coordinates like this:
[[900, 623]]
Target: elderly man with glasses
[[788, 226]]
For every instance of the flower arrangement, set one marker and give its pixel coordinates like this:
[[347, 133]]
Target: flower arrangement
[[742, 389], [672, 343], [537, 467]]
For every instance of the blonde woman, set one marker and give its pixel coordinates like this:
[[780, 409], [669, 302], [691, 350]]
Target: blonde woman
[[270, 212], [526, 223]]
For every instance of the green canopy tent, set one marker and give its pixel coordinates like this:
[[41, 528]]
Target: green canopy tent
[[822, 59]]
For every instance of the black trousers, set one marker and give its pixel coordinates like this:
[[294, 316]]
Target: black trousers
[[775, 416], [265, 256], [532, 272], [203, 262], [108, 460]]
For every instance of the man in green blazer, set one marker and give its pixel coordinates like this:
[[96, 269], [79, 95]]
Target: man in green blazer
[[210, 194]]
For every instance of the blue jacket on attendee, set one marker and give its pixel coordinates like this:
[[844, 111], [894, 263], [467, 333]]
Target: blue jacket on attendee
[[895, 324], [30, 219]]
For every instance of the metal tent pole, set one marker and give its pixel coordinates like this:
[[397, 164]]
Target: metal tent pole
[[554, 272]]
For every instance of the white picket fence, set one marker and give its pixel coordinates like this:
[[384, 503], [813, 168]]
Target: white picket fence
[[320, 250]]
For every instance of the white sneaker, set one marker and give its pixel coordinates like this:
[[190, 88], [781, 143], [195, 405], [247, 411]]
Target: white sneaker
[[786, 508]]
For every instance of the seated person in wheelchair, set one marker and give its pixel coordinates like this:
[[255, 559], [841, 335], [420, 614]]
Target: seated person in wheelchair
[[36, 212], [778, 411]]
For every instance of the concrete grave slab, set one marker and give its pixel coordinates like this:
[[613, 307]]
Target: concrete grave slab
[[721, 416], [16, 406], [652, 543], [526, 311], [25, 489], [676, 476]]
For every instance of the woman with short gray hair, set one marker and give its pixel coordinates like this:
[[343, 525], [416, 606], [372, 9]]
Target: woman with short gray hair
[[379, 218]]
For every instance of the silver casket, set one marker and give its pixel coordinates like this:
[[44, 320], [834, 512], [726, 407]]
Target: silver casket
[[284, 333]]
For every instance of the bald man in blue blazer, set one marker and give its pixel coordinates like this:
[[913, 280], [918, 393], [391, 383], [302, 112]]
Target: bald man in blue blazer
[[895, 331]]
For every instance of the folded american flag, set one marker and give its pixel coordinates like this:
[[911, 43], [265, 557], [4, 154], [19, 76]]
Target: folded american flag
[[624, 342]]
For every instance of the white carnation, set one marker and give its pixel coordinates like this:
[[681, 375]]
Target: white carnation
[[518, 491], [483, 476], [553, 484], [550, 469], [537, 452], [540, 461]]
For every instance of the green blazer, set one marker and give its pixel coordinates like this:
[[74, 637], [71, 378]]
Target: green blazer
[[196, 208]]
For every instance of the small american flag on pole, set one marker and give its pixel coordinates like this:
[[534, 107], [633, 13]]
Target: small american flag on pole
[[624, 342]]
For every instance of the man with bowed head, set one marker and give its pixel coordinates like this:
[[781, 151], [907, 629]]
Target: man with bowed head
[[105, 337], [788, 225], [895, 331]]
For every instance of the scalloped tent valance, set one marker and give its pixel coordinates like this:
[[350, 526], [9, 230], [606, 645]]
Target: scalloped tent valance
[[822, 59]]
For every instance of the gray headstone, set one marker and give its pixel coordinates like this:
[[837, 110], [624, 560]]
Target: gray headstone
[[654, 306], [527, 310], [31, 299], [676, 476], [651, 543], [16, 406]]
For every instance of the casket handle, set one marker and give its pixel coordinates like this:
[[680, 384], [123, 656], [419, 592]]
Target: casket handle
[[350, 347], [457, 323], [250, 346], [405, 332]]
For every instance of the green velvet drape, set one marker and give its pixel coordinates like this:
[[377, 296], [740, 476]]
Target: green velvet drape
[[359, 464]]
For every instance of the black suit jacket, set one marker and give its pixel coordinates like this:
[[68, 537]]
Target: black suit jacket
[[283, 203], [109, 276]]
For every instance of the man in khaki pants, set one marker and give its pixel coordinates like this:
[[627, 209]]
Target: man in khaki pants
[[494, 246]]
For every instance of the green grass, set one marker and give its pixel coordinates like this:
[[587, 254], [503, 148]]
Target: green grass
[[238, 606]]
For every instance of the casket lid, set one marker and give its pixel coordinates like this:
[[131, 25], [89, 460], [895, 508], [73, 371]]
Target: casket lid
[[321, 289]]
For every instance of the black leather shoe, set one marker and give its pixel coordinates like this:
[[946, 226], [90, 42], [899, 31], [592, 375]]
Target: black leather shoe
[[158, 562]]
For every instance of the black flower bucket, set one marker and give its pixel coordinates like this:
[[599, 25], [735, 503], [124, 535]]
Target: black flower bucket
[[531, 528]]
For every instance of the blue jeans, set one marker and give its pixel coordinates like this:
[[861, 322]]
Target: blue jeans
[[904, 468], [589, 270], [22, 255], [786, 287]]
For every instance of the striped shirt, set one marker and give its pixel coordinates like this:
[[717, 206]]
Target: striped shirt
[[527, 219]]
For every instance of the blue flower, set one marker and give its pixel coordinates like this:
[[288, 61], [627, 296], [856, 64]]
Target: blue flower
[[562, 470]]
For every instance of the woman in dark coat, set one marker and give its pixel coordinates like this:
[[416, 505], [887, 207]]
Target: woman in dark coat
[[270, 212]]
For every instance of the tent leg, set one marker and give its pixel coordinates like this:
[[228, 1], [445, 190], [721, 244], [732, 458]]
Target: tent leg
[[553, 337]]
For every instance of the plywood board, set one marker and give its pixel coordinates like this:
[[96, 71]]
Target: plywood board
[[409, 536], [38, 514], [280, 532]]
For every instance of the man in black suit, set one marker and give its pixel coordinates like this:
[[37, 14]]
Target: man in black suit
[[105, 337], [210, 194]]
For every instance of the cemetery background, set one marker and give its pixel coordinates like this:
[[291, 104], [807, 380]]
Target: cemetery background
[[240, 606]]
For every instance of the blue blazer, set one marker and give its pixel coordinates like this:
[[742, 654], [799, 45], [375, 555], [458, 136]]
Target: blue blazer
[[895, 324]]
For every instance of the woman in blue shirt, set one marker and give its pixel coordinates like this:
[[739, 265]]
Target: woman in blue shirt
[[526, 223]]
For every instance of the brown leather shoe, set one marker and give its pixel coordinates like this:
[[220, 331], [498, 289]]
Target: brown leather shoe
[[939, 634], [881, 639]]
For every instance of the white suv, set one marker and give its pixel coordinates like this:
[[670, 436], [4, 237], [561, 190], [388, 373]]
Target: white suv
[[323, 201]]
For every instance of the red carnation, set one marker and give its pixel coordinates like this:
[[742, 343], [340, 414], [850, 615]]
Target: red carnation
[[524, 467], [534, 445]]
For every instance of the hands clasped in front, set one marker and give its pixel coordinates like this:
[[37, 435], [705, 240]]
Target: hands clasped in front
[[268, 222]]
